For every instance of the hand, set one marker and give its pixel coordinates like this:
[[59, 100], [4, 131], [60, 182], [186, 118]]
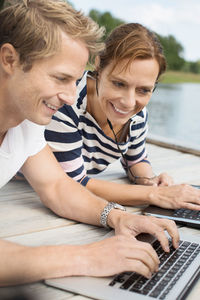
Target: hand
[[161, 180], [176, 196], [132, 225], [118, 254]]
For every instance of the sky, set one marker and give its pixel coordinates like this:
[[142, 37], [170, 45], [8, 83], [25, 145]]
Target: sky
[[180, 18]]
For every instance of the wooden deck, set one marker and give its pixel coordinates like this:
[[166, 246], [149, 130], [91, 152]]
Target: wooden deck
[[25, 220]]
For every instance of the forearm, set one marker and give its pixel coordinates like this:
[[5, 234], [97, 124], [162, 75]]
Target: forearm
[[20, 264], [125, 194], [142, 169], [69, 199]]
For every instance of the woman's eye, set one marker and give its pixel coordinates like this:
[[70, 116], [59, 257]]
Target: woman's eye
[[143, 91], [118, 84]]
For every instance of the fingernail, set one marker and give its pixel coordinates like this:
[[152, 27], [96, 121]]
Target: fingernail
[[167, 249], [149, 275], [177, 245]]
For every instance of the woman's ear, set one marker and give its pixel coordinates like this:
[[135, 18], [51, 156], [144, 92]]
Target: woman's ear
[[9, 58]]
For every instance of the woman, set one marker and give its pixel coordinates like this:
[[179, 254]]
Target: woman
[[109, 121]]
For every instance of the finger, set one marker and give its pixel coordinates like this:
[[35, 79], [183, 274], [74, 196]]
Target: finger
[[163, 183], [157, 228], [149, 250], [159, 233], [146, 258], [172, 229], [140, 268], [191, 206]]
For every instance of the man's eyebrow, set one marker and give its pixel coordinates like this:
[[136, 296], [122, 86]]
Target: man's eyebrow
[[65, 75]]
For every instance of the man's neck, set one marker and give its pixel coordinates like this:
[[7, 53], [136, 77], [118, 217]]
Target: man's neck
[[2, 135]]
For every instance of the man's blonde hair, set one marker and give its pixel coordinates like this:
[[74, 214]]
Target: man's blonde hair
[[34, 28]]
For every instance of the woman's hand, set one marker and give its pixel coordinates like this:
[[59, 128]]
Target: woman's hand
[[176, 196], [161, 180], [132, 225]]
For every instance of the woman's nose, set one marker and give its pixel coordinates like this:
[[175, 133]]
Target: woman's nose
[[129, 99]]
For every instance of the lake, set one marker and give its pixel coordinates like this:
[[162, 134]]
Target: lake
[[174, 112]]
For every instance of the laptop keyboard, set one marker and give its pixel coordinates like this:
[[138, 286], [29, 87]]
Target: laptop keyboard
[[187, 214], [172, 266]]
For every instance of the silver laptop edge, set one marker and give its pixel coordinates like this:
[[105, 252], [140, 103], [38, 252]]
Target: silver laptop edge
[[98, 288]]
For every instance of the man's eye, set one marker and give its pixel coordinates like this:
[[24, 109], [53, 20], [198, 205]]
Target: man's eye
[[61, 78]]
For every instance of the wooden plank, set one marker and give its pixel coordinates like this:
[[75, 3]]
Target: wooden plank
[[23, 212], [36, 291], [25, 220], [27, 215], [74, 234]]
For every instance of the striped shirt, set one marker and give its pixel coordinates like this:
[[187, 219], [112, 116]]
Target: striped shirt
[[80, 145]]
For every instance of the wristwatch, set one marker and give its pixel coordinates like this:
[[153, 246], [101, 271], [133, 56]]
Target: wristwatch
[[106, 211]]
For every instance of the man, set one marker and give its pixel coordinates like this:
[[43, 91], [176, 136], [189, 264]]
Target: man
[[44, 47]]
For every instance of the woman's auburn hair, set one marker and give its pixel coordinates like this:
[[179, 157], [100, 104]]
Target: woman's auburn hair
[[129, 42]]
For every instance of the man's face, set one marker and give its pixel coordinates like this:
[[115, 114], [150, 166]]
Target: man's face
[[37, 94]]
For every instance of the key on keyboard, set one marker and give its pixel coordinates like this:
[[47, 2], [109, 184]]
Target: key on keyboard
[[172, 266], [187, 214]]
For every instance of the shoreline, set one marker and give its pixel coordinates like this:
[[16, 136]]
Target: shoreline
[[172, 144]]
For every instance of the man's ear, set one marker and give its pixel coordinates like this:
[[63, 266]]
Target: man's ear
[[9, 58], [97, 63]]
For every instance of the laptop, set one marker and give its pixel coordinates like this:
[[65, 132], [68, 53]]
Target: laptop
[[186, 217], [177, 273]]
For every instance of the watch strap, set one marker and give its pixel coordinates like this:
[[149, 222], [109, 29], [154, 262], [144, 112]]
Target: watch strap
[[106, 211]]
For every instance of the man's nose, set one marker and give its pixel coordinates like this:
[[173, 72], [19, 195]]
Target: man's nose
[[69, 96], [66, 99]]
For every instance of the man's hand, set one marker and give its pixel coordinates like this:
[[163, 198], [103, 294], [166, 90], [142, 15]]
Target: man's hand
[[132, 225], [118, 254]]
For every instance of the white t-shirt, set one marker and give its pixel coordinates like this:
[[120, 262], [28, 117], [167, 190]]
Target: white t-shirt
[[20, 142]]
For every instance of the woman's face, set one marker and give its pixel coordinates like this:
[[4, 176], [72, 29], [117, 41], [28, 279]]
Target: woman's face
[[126, 91]]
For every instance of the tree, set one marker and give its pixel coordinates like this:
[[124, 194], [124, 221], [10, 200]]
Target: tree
[[1, 4], [105, 19], [173, 51]]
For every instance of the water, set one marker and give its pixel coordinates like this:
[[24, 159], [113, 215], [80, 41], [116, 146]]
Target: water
[[174, 112]]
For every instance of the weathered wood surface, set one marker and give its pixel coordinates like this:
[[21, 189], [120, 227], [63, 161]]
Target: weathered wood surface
[[25, 220]]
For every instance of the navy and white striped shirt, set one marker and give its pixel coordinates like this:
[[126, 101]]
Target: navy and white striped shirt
[[80, 145]]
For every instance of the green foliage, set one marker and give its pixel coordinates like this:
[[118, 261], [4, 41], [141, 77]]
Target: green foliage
[[105, 19], [180, 77], [173, 51], [1, 4], [172, 48]]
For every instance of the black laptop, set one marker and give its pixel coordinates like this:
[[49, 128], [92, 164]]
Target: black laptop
[[181, 216]]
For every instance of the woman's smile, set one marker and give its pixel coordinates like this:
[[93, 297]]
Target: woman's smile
[[119, 111]]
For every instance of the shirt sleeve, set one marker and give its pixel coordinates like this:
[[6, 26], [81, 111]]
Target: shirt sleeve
[[34, 137], [65, 140]]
